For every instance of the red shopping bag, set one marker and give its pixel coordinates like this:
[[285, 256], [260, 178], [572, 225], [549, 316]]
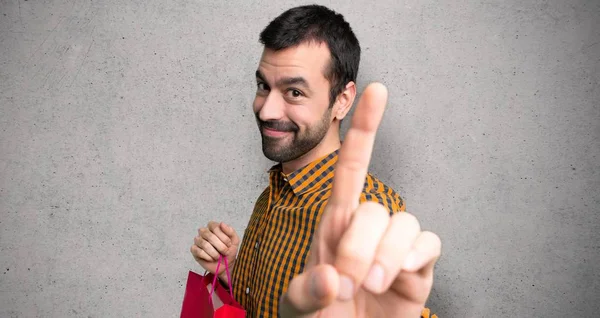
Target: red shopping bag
[[206, 298]]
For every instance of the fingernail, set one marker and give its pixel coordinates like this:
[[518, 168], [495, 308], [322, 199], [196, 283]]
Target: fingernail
[[375, 278], [411, 261], [317, 292], [346, 291]]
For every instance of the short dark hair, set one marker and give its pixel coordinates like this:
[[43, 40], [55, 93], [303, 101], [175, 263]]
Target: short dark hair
[[320, 24]]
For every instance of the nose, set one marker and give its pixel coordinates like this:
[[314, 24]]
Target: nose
[[272, 107]]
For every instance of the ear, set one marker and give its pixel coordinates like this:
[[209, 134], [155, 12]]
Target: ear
[[344, 101]]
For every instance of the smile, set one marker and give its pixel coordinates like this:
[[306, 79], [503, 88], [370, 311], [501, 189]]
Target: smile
[[274, 133]]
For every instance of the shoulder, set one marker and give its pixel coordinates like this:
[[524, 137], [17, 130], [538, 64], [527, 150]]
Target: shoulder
[[377, 191], [261, 203], [263, 198]]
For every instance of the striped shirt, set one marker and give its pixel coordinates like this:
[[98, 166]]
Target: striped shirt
[[277, 240]]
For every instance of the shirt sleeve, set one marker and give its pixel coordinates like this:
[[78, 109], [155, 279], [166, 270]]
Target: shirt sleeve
[[391, 201]]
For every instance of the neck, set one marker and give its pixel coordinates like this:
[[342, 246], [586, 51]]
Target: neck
[[329, 144]]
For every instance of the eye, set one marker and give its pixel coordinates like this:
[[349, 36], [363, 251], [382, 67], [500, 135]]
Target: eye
[[295, 93], [262, 86]]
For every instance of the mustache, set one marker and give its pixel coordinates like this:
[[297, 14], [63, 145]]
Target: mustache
[[278, 125]]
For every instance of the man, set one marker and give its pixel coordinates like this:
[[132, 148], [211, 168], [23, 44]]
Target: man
[[310, 249]]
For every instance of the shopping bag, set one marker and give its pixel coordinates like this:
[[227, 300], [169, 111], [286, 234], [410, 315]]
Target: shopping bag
[[205, 297]]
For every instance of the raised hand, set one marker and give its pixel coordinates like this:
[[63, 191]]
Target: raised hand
[[363, 262], [212, 240]]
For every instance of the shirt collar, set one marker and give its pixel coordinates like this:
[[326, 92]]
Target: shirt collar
[[314, 176]]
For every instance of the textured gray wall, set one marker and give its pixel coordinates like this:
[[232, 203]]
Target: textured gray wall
[[128, 125]]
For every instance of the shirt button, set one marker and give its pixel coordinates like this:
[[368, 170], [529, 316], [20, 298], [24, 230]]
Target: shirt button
[[247, 290], [256, 245]]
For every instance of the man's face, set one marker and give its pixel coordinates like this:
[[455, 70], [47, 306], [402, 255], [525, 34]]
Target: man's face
[[292, 100]]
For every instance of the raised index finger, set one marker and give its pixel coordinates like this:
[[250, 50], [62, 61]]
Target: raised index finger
[[355, 153]]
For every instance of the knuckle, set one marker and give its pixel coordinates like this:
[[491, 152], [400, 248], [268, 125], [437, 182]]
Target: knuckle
[[373, 210], [349, 254], [225, 252], [352, 165], [375, 207], [208, 247], [196, 252], [205, 245], [207, 234], [433, 240], [226, 241], [408, 219]]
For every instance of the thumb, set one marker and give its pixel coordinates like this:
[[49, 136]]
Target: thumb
[[229, 231], [310, 291]]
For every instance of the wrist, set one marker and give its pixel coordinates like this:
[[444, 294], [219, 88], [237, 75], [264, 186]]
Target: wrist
[[223, 283], [223, 277]]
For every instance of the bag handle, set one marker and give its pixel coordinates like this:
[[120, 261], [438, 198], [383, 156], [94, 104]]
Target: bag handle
[[216, 277]]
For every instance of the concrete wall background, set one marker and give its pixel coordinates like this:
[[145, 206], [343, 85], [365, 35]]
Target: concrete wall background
[[126, 125]]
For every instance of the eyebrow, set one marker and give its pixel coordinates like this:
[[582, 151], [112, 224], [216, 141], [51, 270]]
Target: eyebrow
[[298, 80]]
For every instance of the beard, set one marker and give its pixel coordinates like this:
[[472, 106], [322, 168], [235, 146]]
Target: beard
[[296, 143]]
